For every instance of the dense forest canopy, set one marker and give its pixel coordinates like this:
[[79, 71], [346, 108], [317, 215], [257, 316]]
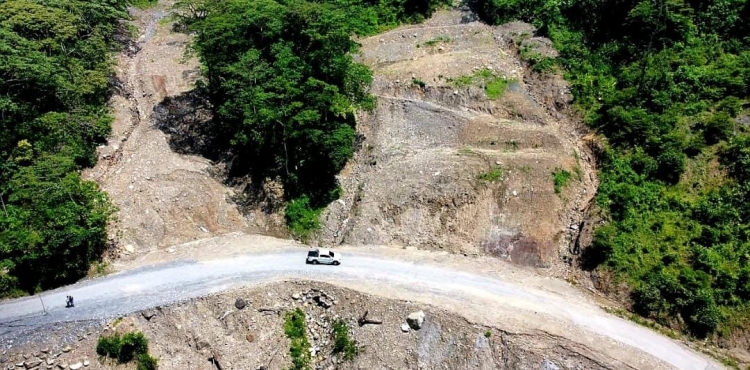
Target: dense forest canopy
[[55, 65], [667, 82], [285, 87]]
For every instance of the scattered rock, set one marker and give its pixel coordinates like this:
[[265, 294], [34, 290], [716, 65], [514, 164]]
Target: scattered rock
[[170, 250], [415, 320], [240, 303], [85, 362], [129, 248], [76, 366], [204, 229], [45, 350], [50, 361], [549, 365], [201, 344], [323, 301], [250, 337], [148, 314], [66, 349], [296, 296], [62, 366], [405, 328]]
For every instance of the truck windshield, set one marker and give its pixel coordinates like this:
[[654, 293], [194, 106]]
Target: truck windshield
[[331, 254]]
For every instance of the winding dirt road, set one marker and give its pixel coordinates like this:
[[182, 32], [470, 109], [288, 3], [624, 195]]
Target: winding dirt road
[[551, 310]]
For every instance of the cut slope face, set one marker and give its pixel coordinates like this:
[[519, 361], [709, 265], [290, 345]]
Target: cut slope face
[[460, 152]]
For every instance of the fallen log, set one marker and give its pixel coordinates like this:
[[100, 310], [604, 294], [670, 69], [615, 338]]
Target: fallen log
[[266, 310]]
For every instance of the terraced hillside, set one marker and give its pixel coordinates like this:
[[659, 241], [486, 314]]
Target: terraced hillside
[[461, 152]]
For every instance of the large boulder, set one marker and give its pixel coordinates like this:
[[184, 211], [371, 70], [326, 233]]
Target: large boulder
[[415, 320]]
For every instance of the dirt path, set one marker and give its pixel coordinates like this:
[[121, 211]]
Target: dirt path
[[523, 304], [164, 198]]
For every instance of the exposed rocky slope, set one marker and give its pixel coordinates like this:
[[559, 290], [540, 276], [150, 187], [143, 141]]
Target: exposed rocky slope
[[415, 180], [164, 197], [199, 333]]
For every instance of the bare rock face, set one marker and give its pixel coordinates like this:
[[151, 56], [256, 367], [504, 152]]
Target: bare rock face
[[444, 165]]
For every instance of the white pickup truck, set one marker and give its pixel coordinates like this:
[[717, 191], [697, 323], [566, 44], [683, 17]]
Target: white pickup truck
[[323, 256]]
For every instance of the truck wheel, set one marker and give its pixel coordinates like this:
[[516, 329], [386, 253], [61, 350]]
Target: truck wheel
[[315, 262], [335, 263]]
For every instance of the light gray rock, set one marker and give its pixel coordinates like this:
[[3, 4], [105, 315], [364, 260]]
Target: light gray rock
[[549, 365], [415, 320]]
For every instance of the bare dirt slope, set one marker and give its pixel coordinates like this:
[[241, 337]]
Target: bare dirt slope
[[164, 198], [415, 180]]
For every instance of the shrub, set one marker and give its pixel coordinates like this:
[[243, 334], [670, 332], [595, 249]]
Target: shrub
[[147, 362], [342, 343], [302, 218], [132, 345], [125, 348], [108, 346]]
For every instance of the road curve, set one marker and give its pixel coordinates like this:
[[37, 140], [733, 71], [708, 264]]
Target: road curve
[[492, 301]]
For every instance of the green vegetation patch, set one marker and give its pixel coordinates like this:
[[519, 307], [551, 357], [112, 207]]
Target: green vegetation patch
[[302, 218], [437, 40], [560, 179], [144, 4], [494, 86], [126, 348], [295, 330], [492, 175], [342, 342]]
